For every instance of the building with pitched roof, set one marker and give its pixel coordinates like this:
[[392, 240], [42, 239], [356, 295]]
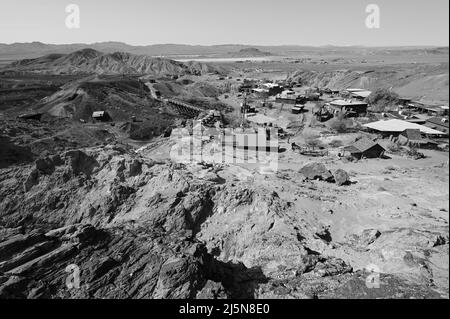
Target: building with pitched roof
[[438, 123], [353, 108], [413, 138], [365, 148], [101, 116], [395, 127]]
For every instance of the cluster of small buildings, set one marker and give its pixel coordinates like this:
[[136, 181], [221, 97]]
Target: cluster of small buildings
[[212, 118], [422, 108], [413, 124], [401, 132], [290, 97], [268, 89], [354, 105]]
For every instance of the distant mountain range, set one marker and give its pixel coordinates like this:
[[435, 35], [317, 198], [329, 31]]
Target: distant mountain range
[[249, 53], [36, 49], [91, 61]]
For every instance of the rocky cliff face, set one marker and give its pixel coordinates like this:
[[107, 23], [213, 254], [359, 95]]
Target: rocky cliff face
[[136, 228]]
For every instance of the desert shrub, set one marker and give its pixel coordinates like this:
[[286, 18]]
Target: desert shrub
[[335, 143], [313, 143], [415, 154], [393, 147], [232, 120], [338, 125], [382, 100], [311, 138]]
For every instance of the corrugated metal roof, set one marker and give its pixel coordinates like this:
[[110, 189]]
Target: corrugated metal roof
[[362, 94], [261, 90], [346, 103], [271, 85], [364, 144], [438, 121], [98, 113], [395, 125], [351, 90], [351, 149]]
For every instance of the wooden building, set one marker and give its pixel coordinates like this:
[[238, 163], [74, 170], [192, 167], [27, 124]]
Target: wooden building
[[365, 148], [101, 116], [351, 108]]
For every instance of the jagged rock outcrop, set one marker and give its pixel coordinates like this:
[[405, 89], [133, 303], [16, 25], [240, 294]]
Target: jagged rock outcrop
[[316, 170], [341, 177], [131, 227]]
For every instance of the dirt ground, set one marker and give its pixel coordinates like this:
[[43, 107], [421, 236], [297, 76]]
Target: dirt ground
[[254, 230], [405, 201]]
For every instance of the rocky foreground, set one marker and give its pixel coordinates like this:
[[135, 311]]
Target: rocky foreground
[[137, 228]]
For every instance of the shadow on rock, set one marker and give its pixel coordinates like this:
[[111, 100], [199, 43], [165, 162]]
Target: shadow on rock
[[238, 281], [12, 154]]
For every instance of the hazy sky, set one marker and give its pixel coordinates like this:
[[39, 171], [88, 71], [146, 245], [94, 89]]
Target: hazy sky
[[265, 22]]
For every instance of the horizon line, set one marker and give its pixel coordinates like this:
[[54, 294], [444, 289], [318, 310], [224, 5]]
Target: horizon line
[[238, 44]]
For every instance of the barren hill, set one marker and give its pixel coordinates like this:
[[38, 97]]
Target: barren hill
[[36, 49], [422, 82], [249, 53], [121, 97], [90, 61]]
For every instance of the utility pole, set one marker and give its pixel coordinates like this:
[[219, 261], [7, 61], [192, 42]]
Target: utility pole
[[244, 108]]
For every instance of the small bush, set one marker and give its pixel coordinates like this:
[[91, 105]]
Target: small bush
[[312, 139], [335, 143], [313, 143], [338, 125], [415, 154], [393, 147], [382, 100]]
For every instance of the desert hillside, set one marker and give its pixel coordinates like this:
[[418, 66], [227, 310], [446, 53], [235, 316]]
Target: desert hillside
[[91, 61], [427, 82], [119, 198]]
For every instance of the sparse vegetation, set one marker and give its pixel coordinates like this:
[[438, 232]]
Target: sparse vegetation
[[393, 147], [335, 143], [414, 153], [98, 180], [231, 120], [313, 142], [382, 100], [339, 124]]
